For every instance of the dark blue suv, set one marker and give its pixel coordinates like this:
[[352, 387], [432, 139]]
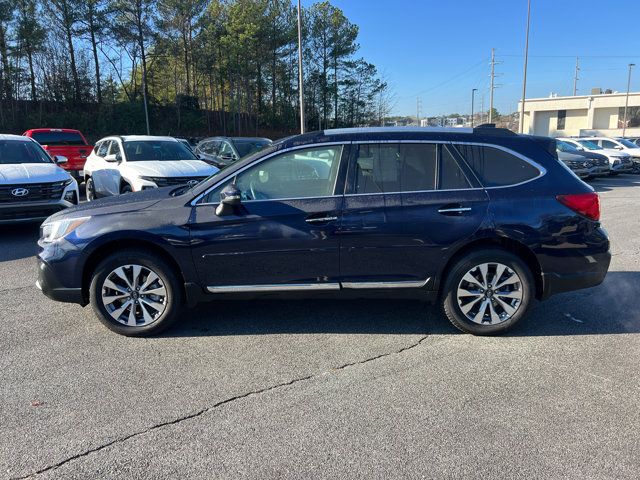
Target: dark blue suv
[[483, 221]]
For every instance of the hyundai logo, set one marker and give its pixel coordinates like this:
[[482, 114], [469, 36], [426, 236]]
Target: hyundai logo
[[19, 192], [192, 183]]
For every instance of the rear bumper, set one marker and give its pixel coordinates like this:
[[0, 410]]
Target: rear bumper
[[554, 283], [49, 284]]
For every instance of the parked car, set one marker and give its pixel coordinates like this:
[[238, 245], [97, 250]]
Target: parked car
[[222, 151], [596, 165], [635, 140], [65, 142], [139, 162], [186, 143], [619, 162], [32, 185], [621, 144], [481, 220]]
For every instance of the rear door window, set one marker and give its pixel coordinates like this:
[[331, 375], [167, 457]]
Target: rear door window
[[392, 168], [451, 175], [58, 138], [495, 167]]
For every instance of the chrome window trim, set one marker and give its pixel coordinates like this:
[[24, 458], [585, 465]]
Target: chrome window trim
[[285, 287], [540, 168], [194, 203]]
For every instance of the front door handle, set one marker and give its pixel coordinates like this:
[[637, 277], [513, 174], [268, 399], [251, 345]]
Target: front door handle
[[321, 219]]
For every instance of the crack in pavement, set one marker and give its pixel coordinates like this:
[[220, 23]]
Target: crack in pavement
[[12, 289], [215, 406]]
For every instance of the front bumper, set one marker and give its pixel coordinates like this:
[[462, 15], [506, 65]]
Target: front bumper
[[599, 171], [51, 286]]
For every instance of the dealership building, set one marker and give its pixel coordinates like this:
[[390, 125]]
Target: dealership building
[[595, 114]]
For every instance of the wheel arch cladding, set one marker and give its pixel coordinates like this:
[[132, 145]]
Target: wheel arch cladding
[[508, 244], [115, 245]]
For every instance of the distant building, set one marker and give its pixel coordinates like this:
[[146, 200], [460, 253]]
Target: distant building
[[424, 122], [596, 114]]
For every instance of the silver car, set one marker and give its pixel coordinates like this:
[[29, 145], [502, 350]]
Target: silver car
[[32, 185]]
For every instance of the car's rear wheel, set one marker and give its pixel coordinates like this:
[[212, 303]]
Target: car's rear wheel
[[488, 292], [135, 293], [90, 189]]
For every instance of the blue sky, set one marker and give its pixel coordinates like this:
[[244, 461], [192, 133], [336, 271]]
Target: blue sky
[[439, 50]]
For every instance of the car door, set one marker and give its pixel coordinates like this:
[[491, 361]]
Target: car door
[[105, 175], [443, 206], [396, 237], [283, 236]]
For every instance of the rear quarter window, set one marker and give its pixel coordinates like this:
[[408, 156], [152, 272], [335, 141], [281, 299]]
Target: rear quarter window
[[495, 167]]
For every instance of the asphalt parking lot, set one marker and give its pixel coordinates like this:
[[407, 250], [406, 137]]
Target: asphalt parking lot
[[340, 389]]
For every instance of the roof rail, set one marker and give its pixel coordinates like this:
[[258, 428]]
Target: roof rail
[[491, 128]]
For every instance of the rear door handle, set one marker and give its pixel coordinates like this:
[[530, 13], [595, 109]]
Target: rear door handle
[[453, 210], [321, 219]]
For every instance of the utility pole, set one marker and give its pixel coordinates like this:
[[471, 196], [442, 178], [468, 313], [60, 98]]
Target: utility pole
[[300, 76], [626, 100], [418, 109], [526, 59], [493, 74], [575, 77], [473, 97]]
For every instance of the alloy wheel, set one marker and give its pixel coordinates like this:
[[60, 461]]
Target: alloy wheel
[[490, 293], [134, 295]]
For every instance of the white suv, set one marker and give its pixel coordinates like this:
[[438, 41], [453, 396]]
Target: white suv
[[133, 163], [622, 145], [619, 162], [32, 185]]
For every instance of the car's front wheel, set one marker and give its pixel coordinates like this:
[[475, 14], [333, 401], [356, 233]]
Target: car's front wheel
[[135, 293], [487, 292]]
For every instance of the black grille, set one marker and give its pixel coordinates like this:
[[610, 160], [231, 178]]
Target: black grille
[[171, 181], [35, 192], [22, 214]]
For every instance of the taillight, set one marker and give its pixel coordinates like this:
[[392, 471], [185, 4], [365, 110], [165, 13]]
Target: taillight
[[587, 204]]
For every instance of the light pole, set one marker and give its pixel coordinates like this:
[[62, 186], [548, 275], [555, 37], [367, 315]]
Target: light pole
[[300, 76], [626, 100], [473, 97], [526, 58]]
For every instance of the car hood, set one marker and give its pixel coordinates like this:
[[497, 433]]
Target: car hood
[[178, 168], [17, 173], [612, 152], [570, 157], [129, 202]]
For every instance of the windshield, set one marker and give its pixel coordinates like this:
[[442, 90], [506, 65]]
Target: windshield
[[58, 138], [20, 151], [565, 147], [247, 147], [156, 150], [626, 143], [589, 145]]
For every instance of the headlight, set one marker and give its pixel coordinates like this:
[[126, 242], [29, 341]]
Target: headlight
[[57, 229]]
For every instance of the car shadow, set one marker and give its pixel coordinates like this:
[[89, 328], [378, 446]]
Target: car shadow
[[19, 241], [607, 309], [606, 184]]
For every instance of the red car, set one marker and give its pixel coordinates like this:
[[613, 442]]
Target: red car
[[66, 142]]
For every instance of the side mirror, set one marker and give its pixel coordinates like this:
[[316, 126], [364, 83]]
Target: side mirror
[[618, 147], [230, 197], [60, 159], [113, 158]]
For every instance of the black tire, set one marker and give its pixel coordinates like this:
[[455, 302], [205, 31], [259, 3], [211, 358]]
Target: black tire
[[125, 188], [90, 191], [487, 255], [172, 284]]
